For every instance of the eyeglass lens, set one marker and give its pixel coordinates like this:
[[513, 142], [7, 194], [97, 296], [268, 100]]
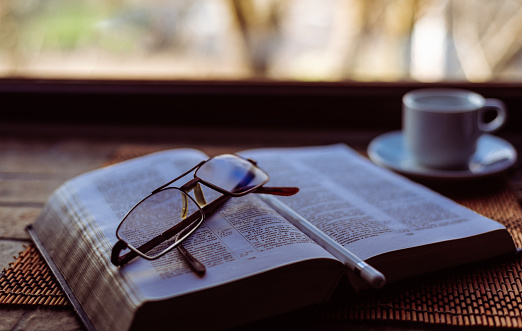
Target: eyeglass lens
[[156, 214], [231, 173]]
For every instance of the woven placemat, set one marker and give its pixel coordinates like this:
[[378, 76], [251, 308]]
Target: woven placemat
[[29, 281], [484, 294]]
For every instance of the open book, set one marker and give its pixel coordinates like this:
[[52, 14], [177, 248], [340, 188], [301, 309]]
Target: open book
[[260, 261]]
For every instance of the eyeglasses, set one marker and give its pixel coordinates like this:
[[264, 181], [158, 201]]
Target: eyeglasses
[[169, 215]]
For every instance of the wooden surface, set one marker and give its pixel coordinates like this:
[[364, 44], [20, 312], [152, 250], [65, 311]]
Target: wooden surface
[[35, 160]]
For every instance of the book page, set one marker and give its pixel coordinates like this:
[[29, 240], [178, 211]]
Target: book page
[[367, 209], [243, 238]]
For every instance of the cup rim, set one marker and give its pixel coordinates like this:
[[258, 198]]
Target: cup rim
[[410, 100]]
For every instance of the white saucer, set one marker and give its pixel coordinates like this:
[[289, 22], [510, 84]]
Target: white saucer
[[493, 156]]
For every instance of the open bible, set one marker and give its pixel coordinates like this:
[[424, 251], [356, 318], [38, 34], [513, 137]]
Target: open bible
[[262, 253]]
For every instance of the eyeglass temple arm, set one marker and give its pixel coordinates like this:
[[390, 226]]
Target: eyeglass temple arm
[[283, 191], [194, 264], [118, 260]]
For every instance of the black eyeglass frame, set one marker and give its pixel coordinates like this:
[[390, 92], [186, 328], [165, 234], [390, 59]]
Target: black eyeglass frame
[[192, 222]]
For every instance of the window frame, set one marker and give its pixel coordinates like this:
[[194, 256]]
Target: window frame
[[239, 104]]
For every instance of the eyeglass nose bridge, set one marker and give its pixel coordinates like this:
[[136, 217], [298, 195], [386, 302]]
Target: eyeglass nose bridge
[[192, 185]]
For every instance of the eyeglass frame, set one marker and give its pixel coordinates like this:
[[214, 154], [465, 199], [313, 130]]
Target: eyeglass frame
[[187, 223]]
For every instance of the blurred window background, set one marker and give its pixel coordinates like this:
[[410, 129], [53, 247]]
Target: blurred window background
[[304, 40]]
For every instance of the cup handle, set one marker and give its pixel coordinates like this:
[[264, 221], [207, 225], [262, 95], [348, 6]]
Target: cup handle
[[500, 108]]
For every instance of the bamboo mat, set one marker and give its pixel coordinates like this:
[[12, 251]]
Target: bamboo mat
[[29, 281], [485, 294]]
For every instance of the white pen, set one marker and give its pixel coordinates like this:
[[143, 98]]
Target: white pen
[[362, 269]]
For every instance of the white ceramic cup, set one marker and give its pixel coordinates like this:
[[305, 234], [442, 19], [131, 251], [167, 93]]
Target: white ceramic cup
[[441, 126]]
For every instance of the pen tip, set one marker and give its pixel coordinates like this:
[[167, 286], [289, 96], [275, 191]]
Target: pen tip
[[373, 276]]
